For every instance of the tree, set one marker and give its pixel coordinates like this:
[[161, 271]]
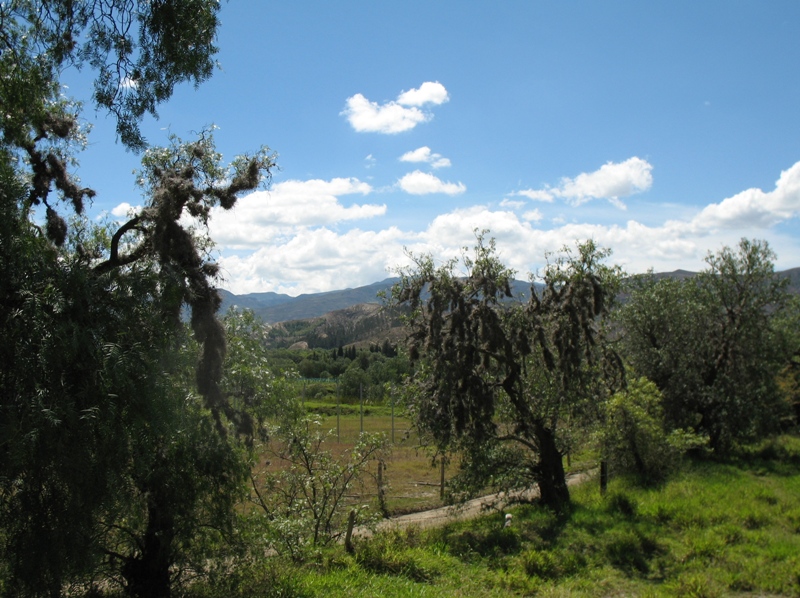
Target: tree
[[94, 434], [304, 501], [181, 483], [249, 382], [140, 50], [497, 379], [713, 344]]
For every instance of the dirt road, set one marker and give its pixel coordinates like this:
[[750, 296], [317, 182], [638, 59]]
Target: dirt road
[[468, 510]]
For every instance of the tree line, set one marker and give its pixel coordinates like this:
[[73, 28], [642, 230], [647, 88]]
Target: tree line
[[701, 364]]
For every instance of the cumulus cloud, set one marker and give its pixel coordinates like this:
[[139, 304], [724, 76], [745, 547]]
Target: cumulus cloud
[[395, 116], [317, 260], [424, 154], [533, 216], [124, 209], [428, 93], [611, 181], [307, 259], [754, 207], [261, 216], [423, 183]]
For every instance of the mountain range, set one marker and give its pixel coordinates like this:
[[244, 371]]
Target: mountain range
[[354, 316]]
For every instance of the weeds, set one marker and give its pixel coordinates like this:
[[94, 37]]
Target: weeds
[[714, 529]]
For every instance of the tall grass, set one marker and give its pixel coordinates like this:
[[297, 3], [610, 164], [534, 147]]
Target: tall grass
[[714, 529]]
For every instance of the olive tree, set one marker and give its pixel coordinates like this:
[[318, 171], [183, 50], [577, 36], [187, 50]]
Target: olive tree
[[714, 343], [497, 379]]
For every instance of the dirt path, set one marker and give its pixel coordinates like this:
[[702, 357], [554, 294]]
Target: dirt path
[[468, 510]]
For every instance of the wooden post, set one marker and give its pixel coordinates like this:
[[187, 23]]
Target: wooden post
[[441, 479], [348, 538], [392, 418], [361, 398], [382, 491], [338, 437]]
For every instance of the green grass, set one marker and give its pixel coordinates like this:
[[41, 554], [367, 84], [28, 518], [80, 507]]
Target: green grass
[[715, 529]]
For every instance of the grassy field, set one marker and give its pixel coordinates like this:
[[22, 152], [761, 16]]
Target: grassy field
[[715, 529], [412, 481]]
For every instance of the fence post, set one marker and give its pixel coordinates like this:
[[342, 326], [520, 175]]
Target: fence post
[[361, 398], [392, 399], [348, 542], [338, 437], [441, 480], [382, 490]]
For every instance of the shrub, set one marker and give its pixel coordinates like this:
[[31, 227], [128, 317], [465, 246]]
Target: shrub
[[306, 503], [635, 439]]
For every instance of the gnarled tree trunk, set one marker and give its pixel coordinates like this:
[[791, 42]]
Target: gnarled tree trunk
[[553, 489]]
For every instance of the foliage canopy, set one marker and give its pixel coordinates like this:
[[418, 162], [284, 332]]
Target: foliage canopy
[[494, 372], [106, 457], [714, 344]]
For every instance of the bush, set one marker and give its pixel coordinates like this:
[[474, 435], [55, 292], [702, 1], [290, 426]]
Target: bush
[[306, 503], [549, 565], [486, 543], [635, 439]]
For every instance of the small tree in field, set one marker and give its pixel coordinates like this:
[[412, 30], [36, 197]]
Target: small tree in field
[[498, 379], [305, 499]]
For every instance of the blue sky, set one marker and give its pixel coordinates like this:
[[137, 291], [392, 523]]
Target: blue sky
[[662, 130]]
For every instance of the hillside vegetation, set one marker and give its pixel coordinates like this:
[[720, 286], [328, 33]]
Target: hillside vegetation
[[718, 528]]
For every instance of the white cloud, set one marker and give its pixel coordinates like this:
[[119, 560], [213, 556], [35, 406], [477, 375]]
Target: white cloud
[[316, 260], [512, 204], [396, 116], [536, 194], [423, 183], [424, 154], [124, 210], [611, 181], [303, 259], [263, 216], [428, 93], [533, 216], [754, 207]]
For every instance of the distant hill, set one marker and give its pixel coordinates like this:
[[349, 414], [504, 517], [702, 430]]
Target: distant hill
[[274, 307], [362, 325], [357, 316], [793, 275]]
